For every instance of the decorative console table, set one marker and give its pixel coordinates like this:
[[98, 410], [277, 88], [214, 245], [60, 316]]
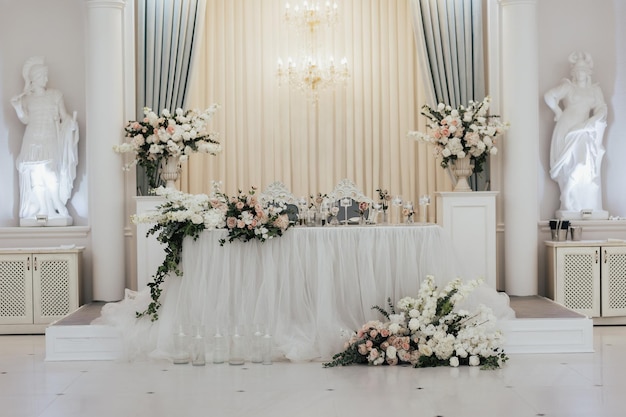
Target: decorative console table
[[38, 286], [589, 277]]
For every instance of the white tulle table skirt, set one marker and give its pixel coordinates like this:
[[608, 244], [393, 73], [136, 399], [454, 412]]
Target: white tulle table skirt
[[307, 287]]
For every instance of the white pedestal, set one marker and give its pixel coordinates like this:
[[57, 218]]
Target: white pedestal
[[150, 252], [470, 220]]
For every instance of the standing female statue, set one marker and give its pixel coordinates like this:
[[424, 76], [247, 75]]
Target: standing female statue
[[48, 157], [576, 151]]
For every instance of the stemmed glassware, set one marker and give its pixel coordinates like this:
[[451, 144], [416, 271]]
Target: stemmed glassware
[[378, 208], [424, 202], [302, 211], [397, 203]]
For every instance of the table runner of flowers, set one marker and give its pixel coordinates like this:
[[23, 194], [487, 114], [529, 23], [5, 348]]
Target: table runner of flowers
[[186, 215], [428, 331]]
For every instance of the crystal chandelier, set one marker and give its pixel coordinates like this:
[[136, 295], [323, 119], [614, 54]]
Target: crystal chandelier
[[311, 74], [311, 16]]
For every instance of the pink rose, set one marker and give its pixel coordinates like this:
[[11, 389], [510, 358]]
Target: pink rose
[[363, 350], [253, 223], [369, 344], [239, 205], [384, 332], [231, 222], [241, 224], [373, 333]]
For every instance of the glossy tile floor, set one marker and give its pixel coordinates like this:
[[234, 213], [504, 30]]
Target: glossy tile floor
[[564, 385]]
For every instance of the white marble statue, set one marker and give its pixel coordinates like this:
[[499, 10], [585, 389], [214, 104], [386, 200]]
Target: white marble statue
[[576, 151], [48, 157]]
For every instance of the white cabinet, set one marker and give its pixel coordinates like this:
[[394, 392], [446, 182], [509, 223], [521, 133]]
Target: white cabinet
[[37, 287], [588, 277], [470, 220]]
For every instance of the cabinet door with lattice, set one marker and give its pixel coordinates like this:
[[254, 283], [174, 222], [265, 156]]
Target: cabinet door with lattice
[[16, 296], [613, 281], [578, 279], [55, 291]]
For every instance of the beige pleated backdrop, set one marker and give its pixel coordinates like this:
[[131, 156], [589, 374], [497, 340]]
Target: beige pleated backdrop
[[270, 133]]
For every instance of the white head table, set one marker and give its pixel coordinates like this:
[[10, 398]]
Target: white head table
[[308, 286]]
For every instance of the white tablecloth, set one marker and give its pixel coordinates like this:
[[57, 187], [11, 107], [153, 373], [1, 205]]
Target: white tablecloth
[[308, 285]]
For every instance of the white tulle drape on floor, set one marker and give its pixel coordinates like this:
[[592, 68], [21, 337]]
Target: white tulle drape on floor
[[309, 287]]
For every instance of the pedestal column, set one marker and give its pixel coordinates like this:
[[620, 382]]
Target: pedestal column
[[105, 121], [520, 150]]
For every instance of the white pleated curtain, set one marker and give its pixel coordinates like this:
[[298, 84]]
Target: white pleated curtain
[[167, 32], [449, 37], [271, 133]]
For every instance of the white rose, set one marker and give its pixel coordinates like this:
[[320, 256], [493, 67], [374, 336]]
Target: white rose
[[474, 360], [425, 350], [414, 324], [454, 361], [391, 352]]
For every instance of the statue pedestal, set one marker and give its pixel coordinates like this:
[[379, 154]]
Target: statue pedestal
[[582, 215], [46, 221]]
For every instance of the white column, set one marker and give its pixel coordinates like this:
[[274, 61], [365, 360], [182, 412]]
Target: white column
[[520, 153], [105, 121]]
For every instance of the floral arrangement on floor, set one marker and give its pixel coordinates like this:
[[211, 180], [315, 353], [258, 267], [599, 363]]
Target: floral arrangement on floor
[[186, 215], [247, 219], [158, 137], [459, 132], [428, 331]]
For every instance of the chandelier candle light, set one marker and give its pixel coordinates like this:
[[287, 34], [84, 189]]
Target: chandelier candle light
[[310, 73]]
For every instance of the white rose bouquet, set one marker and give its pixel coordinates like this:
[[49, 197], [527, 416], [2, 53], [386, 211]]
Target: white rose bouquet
[[464, 131]]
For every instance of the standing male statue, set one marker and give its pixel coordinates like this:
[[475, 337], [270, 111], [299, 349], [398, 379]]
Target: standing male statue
[[49, 154], [576, 151]]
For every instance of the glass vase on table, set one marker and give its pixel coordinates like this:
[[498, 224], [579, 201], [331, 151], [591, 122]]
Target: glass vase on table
[[424, 202], [397, 203]]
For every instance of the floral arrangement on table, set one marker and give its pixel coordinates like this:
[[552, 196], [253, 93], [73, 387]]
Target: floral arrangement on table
[[459, 132], [317, 200], [181, 215], [247, 219], [384, 198], [158, 137], [408, 212], [363, 207], [428, 331], [186, 215]]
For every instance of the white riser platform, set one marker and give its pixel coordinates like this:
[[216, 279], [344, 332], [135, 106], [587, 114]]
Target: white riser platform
[[560, 331]]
